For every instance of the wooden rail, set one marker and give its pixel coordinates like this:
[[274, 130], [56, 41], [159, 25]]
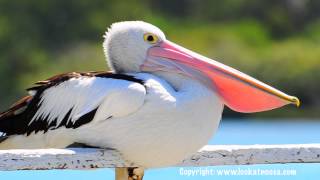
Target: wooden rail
[[210, 155]]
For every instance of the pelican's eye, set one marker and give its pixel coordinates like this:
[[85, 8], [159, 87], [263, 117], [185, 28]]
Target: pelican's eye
[[150, 38]]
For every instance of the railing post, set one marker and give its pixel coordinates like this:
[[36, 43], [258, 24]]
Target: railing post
[[130, 173], [121, 174]]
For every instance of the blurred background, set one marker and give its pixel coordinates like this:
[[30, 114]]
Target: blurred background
[[275, 41]]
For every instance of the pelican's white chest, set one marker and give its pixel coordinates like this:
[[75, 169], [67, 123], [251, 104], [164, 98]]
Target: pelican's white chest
[[168, 127]]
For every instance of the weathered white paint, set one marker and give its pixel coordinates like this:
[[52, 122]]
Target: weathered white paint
[[76, 158], [207, 156], [254, 154]]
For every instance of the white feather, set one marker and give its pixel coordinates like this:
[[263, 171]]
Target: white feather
[[84, 94]]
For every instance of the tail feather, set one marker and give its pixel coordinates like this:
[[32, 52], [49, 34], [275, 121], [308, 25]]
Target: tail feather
[[10, 120]]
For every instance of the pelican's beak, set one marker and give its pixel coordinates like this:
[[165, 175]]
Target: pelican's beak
[[237, 90]]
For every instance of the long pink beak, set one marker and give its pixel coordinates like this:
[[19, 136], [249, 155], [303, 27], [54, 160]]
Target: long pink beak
[[237, 90]]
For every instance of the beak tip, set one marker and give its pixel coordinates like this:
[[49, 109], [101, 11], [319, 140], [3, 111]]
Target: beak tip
[[296, 101]]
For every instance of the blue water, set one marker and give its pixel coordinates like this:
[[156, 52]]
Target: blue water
[[230, 132]]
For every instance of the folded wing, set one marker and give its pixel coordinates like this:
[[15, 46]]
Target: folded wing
[[72, 100]]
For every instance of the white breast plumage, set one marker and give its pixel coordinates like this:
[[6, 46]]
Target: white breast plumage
[[168, 127]]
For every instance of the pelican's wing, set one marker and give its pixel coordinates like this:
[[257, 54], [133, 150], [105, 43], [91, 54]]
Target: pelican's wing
[[71, 100]]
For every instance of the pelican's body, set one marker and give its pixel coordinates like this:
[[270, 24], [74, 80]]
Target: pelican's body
[[160, 104], [162, 129], [166, 128]]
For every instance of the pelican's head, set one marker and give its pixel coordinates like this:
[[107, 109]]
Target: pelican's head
[[136, 46], [126, 44]]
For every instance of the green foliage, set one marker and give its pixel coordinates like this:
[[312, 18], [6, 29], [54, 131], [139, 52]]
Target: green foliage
[[274, 41]]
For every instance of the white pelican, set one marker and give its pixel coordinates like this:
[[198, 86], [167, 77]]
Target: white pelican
[[160, 103]]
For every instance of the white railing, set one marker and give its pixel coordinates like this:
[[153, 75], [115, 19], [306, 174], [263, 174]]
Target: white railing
[[210, 155]]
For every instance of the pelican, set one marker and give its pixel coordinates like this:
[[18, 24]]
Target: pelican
[[160, 103]]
